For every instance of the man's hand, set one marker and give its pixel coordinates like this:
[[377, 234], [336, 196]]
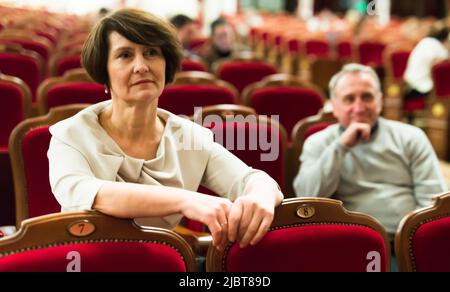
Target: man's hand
[[355, 133]]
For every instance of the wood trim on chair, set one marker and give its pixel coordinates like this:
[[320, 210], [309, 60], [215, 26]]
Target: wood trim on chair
[[408, 226], [90, 226], [223, 110], [326, 211], [73, 75], [15, 151]]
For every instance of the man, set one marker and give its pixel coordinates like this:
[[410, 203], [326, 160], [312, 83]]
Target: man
[[222, 41], [379, 167], [429, 51], [187, 31]]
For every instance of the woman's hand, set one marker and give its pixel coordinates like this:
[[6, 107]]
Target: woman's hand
[[211, 211], [250, 218]]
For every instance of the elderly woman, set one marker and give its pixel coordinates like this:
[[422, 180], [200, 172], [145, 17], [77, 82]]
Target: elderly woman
[[127, 158]]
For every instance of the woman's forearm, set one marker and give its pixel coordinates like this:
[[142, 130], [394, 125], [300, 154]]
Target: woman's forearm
[[127, 200]]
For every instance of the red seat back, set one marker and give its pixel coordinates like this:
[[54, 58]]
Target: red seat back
[[371, 53], [75, 92], [67, 63], [441, 77], [25, 67], [291, 104], [182, 98], [243, 73], [191, 65]]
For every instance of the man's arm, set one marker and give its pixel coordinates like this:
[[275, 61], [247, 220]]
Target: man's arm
[[425, 170]]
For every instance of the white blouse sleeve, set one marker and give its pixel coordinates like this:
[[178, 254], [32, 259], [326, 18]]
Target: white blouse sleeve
[[226, 174], [71, 179]]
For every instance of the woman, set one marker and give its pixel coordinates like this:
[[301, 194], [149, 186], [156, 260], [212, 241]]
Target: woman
[[127, 158]]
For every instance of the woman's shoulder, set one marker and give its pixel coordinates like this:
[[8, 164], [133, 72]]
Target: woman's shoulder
[[84, 123]]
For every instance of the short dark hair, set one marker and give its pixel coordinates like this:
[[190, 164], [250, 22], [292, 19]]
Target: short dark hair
[[181, 20], [137, 26], [440, 33], [216, 23]]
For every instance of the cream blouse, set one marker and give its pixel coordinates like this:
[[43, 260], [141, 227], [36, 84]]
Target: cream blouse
[[82, 157]]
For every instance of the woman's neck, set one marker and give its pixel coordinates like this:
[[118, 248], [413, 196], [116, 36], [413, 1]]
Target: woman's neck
[[132, 123]]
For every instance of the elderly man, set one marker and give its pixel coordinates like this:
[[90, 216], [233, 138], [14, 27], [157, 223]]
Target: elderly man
[[375, 166]]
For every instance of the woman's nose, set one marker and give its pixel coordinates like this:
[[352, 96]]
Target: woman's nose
[[140, 66]]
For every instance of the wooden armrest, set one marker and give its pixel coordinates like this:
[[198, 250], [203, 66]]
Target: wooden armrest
[[199, 241]]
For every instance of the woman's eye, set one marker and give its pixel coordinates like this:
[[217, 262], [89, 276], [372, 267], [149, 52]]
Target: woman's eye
[[152, 52], [124, 55]]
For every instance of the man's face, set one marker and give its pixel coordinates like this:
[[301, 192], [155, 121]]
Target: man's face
[[187, 33], [356, 99], [223, 37]]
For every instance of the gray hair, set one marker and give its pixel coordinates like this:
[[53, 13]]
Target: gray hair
[[353, 69]]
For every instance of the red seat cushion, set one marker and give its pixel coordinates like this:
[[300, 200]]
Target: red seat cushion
[[37, 47], [98, 257], [181, 99], [67, 63], [294, 46], [317, 48], [371, 53], [414, 104], [441, 73], [344, 50], [11, 110], [430, 246], [399, 61], [311, 248], [190, 65], [291, 103], [75, 92], [34, 149], [24, 67], [241, 74]]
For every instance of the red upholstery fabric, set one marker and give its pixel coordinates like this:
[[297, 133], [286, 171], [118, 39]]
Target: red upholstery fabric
[[414, 104], [291, 103], [243, 140], [441, 76], [278, 41], [241, 74], [294, 46], [1, 234], [431, 246], [39, 48], [316, 128], [75, 92], [312, 248], [98, 257], [34, 149], [67, 63], [399, 61], [191, 65], [198, 42], [11, 110], [7, 199], [344, 50], [371, 53], [24, 67], [181, 99], [317, 48]]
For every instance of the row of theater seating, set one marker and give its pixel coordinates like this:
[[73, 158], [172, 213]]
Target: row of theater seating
[[307, 235]]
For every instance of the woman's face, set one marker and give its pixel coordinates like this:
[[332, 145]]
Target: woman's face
[[136, 72]]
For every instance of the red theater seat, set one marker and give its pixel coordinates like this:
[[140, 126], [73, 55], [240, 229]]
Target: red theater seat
[[74, 87], [241, 73], [423, 238], [310, 235], [286, 96], [196, 89], [193, 65], [92, 242], [16, 105], [28, 151]]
